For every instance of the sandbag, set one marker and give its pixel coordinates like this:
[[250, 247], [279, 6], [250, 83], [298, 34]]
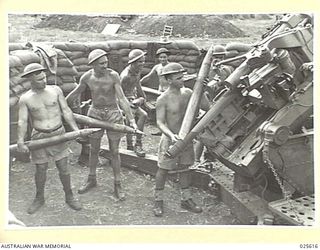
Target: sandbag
[[67, 87], [117, 45], [72, 55], [67, 71], [124, 52], [99, 45], [187, 45], [68, 78], [80, 61], [16, 46], [190, 59], [77, 47], [26, 56], [169, 46], [241, 47], [83, 68], [176, 58], [193, 53], [64, 62], [138, 45], [14, 61], [18, 89], [60, 45]]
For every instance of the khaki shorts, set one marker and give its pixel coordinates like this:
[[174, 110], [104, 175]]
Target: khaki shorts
[[111, 115], [186, 158], [56, 152]]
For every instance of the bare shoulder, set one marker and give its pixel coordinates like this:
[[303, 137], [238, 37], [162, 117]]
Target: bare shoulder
[[162, 99], [85, 76], [113, 73], [25, 96], [186, 91]]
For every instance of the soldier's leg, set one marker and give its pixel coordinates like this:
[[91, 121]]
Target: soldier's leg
[[141, 119], [161, 177], [186, 196], [65, 179], [116, 165], [93, 161], [40, 180]]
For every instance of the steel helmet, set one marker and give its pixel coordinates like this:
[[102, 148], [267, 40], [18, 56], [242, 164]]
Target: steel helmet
[[96, 54], [32, 68], [172, 68], [135, 55], [162, 50]]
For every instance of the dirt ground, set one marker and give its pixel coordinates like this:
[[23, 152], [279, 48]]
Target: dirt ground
[[99, 206]]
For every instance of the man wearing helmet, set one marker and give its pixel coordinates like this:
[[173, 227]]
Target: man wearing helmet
[[170, 108], [130, 83], [106, 92], [44, 106], [162, 55]]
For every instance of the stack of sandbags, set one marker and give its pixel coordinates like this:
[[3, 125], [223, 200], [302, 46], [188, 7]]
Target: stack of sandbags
[[66, 73], [77, 55], [184, 52], [18, 59]]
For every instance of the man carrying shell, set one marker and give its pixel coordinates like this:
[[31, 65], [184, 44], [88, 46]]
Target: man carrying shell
[[171, 107], [45, 106], [106, 93]]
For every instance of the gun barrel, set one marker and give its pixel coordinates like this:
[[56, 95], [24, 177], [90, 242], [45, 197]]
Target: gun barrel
[[50, 141], [195, 98]]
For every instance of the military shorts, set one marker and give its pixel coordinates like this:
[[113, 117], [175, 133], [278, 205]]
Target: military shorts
[[56, 152], [113, 115], [186, 158]]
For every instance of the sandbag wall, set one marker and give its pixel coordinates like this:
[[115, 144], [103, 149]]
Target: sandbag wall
[[184, 52]]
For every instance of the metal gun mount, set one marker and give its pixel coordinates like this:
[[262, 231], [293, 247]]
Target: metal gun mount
[[261, 127]]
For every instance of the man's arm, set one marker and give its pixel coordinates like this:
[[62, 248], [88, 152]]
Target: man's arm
[[140, 92], [66, 111], [22, 125], [161, 119], [123, 101], [74, 94], [147, 77]]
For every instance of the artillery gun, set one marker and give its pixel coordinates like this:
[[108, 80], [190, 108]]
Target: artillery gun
[[260, 129]]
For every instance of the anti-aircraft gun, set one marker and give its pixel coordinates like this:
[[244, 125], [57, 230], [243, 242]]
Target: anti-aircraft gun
[[260, 127]]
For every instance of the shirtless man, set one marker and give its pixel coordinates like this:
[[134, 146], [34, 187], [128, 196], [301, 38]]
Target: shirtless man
[[130, 83], [162, 54], [44, 106], [106, 92], [171, 107]]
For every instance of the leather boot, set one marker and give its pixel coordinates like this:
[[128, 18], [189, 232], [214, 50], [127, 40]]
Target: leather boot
[[70, 200], [158, 208], [191, 206], [40, 180], [118, 192], [90, 183]]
